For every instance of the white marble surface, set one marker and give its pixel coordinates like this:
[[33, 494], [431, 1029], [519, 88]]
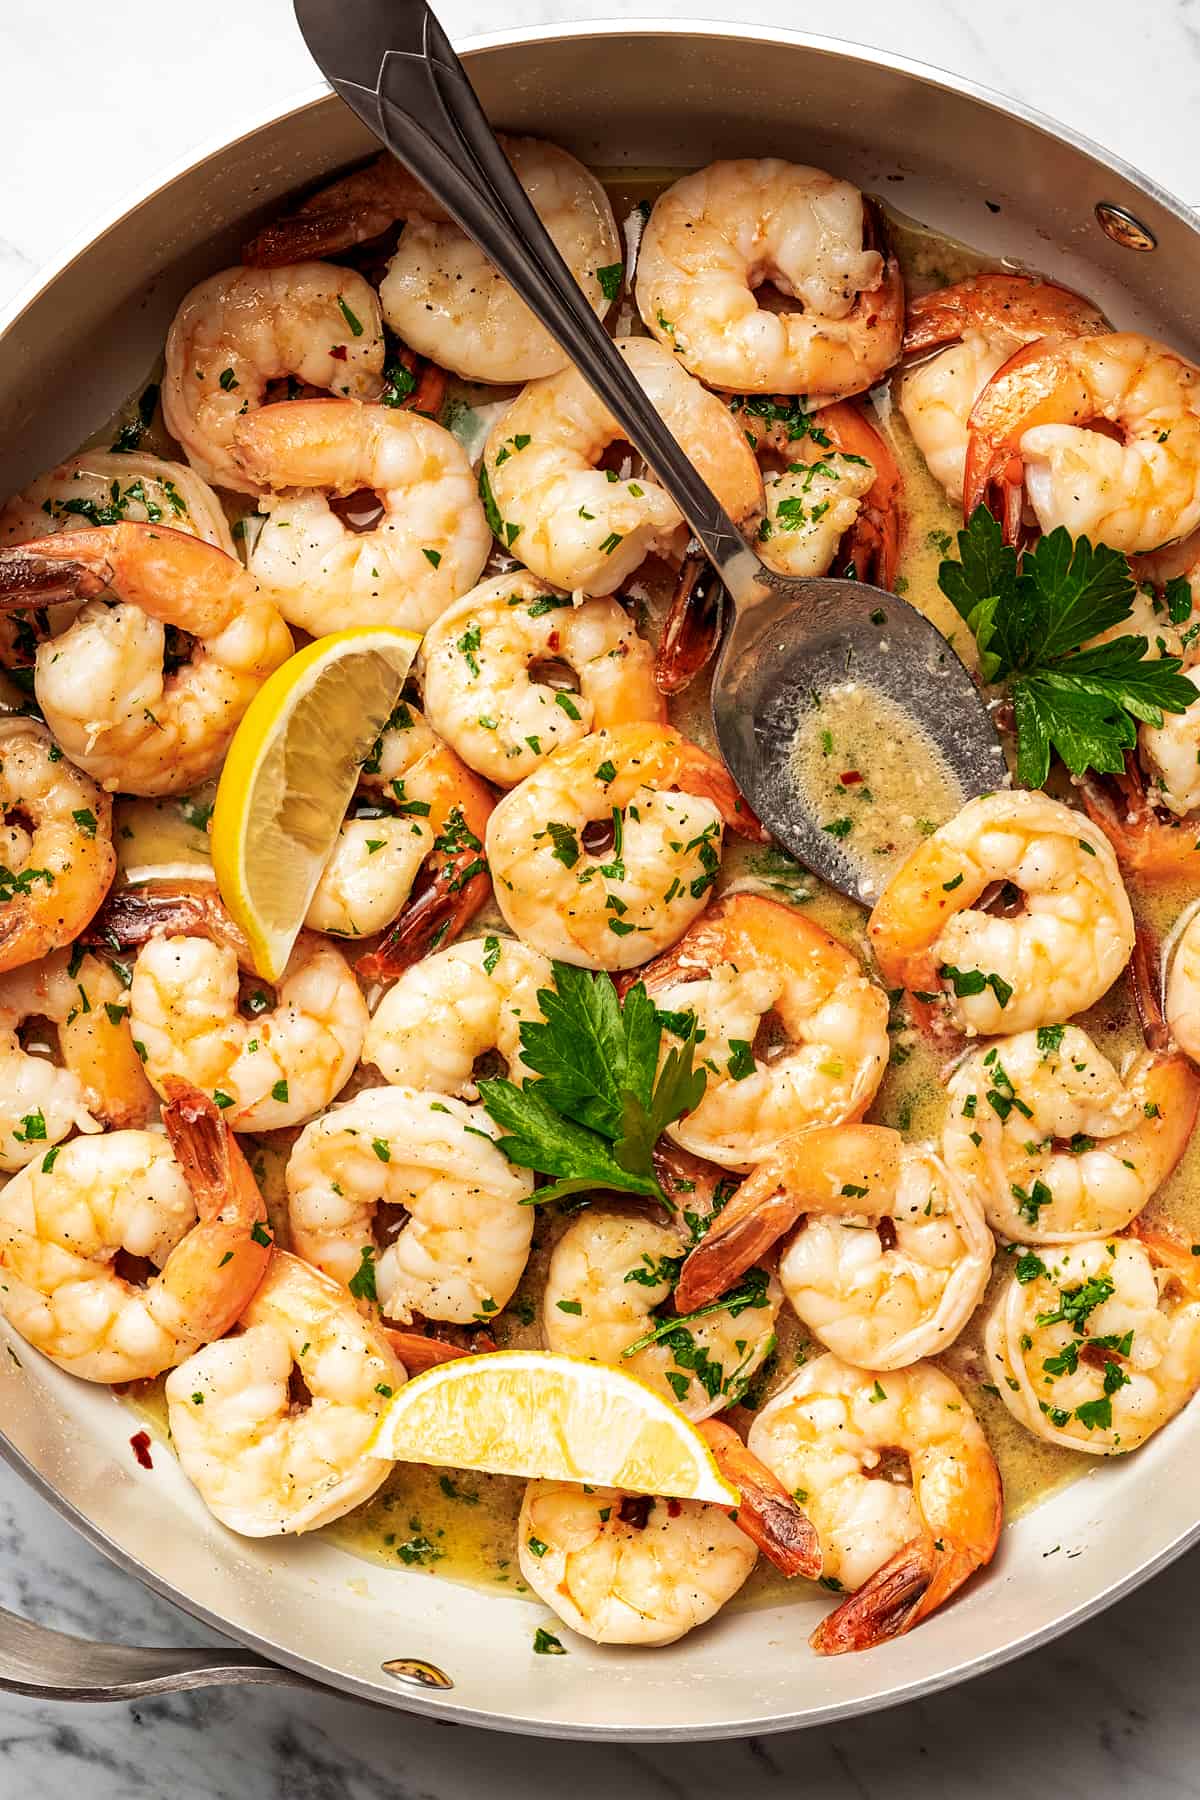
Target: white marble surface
[[96, 100]]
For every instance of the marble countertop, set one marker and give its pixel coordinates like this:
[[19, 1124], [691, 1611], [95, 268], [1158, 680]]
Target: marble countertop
[[96, 101]]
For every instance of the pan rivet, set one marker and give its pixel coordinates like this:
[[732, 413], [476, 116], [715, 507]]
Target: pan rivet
[[416, 1672], [1123, 228]]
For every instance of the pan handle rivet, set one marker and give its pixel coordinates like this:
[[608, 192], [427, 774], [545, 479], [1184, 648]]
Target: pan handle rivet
[[416, 1672], [1123, 228]]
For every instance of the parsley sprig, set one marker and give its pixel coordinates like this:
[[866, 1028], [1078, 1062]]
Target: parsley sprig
[[1030, 615], [602, 1102]]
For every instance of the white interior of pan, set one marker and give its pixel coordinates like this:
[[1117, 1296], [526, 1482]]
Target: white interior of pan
[[78, 347]]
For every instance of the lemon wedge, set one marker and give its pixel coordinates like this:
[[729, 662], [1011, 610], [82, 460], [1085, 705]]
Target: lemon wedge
[[536, 1413], [289, 775]]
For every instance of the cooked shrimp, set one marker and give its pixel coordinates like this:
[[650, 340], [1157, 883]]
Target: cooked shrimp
[[103, 487], [446, 1013], [563, 516], [1170, 754], [186, 1204], [441, 295], [1054, 1143], [242, 329], [1182, 997], [1009, 974], [275, 1063], [58, 857], [1158, 846], [625, 1569], [665, 802], [97, 1079], [497, 667], [770, 1516], [1037, 431], [264, 1463], [410, 848], [718, 235], [901, 1551], [892, 1255], [1095, 1345], [984, 319], [101, 683], [752, 961], [427, 546], [460, 1252], [610, 1275]]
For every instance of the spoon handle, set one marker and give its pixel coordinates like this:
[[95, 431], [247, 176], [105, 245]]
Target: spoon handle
[[431, 119]]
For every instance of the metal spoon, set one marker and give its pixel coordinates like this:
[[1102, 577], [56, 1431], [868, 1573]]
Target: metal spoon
[[392, 62]]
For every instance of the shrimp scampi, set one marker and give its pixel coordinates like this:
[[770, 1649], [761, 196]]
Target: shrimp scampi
[[892, 1254], [625, 1568], [717, 236], [132, 710], [791, 1031], [610, 1275], [186, 1204], [997, 972], [464, 1238], [56, 844], [263, 1463], [423, 543], [1095, 1345], [498, 668], [1054, 1143], [900, 1550], [606, 854]]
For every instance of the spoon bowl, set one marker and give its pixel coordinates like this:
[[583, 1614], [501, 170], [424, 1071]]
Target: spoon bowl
[[782, 654]]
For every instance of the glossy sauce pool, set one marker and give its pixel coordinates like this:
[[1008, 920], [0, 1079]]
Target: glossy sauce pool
[[461, 1526]]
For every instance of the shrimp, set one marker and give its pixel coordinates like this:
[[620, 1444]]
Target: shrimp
[[567, 520], [1007, 974], [832, 494], [185, 1204], [984, 319], [1182, 999], [1054, 1143], [101, 683], [445, 1014], [409, 849], [717, 236], [58, 857], [1170, 754], [461, 1250], [892, 1255], [627, 1569], [497, 668], [901, 1551], [1041, 430], [103, 487], [263, 1462], [1154, 845], [1096, 1344], [610, 1275], [441, 295], [274, 1061], [752, 962], [98, 1075], [426, 545], [238, 331], [606, 854]]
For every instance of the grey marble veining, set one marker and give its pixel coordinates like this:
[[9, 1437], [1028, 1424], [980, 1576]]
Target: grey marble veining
[[96, 101]]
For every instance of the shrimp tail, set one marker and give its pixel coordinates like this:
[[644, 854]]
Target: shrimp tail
[[451, 891], [767, 1513], [215, 1272], [897, 1597], [751, 1224], [130, 918], [418, 1352], [870, 550], [30, 578], [1147, 988], [693, 624]]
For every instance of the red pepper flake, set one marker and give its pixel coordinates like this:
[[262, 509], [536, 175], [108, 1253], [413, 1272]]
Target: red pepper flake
[[338, 352], [674, 1508], [850, 778], [553, 641], [140, 1442]]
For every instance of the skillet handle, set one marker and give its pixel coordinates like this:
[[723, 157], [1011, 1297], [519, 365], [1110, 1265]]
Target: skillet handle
[[51, 1665]]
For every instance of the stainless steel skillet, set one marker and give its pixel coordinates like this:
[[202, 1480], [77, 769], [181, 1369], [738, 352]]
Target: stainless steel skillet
[[643, 94]]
